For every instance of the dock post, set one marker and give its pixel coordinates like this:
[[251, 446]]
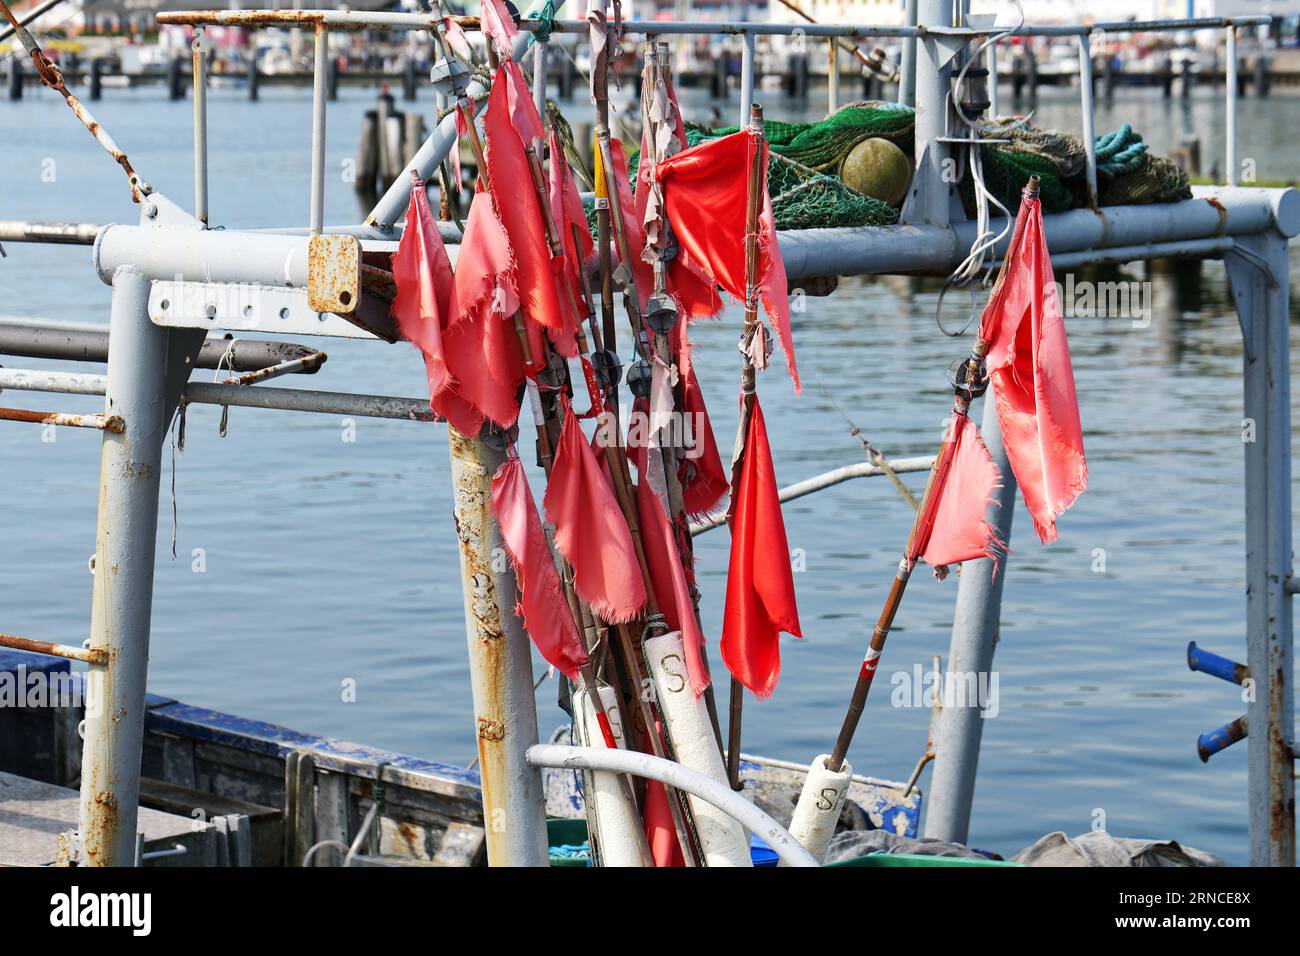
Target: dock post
[[500, 665], [121, 605], [15, 77], [175, 80], [1258, 278], [96, 78], [253, 77], [958, 724]]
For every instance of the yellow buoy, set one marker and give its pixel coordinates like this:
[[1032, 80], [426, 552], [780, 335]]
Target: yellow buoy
[[879, 169]]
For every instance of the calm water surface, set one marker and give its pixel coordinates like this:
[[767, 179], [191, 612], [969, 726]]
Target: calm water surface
[[328, 560]]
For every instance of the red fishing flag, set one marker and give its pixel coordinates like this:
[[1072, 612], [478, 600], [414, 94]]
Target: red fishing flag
[[499, 26], [590, 530], [1033, 380], [697, 297], [426, 307], [760, 585], [482, 347], [705, 198], [566, 210], [704, 482], [542, 604], [669, 578], [511, 179], [953, 528]]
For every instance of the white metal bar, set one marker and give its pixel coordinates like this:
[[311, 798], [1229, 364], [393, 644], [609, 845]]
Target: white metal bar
[[121, 604], [682, 778], [200, 130], [995, 100], [318, 131], [907, 68], [1230, 116], [808, 486], [356, 20], [1089, 134], [746, 78], [832, 77], [958, 725]]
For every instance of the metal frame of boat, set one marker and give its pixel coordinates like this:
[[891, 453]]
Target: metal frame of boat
[[173, 280]]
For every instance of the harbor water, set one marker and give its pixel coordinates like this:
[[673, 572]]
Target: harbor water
[[315, 582]]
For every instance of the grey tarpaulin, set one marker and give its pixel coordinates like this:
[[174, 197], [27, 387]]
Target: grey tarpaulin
[[1101, 849]]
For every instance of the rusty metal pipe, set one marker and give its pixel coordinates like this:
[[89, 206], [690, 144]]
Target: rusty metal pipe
[[122, 599], [94, 656], [108, 423], [500, 664]]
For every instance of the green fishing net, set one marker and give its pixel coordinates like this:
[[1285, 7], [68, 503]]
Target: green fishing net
[[803, 174]]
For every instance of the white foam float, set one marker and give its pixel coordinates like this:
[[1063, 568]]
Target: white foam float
[[694, 745], [819, 806], [615, 826]]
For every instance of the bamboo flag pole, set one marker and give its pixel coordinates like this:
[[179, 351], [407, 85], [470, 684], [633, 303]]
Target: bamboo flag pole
[[754, 203], [971, 381]]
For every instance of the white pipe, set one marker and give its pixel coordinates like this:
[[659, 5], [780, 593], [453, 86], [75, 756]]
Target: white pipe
[[681, 778], [318, 132], [1230, 117]]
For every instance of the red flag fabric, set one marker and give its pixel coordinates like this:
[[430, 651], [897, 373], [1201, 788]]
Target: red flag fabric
[[954, 528], [426, 307], [499, 26], [760, 585], [704, 482], [482, 347], [631, 221], [669, 580], [705, 198], [660, 832], [1033, 379], [590, 530], [566, 210], [511, 179], [696, 296], [542, 604], [456, 39]]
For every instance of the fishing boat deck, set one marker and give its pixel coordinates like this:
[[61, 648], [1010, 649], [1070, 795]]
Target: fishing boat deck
[[33, 814]]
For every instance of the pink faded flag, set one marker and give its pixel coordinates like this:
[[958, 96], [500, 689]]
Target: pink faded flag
[[426, 307], [590, 530], [954, 527], [499, 26], [1033, 380], [542, 604]]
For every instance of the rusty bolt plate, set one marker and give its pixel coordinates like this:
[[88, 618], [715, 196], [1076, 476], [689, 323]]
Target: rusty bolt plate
[[333, 274]]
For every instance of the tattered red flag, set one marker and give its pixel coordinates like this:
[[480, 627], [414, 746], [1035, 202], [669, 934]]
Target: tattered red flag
[[510, 178], [566, 210], [482, 347], [660, 831], [954, 528], [425, 306], [498, 25], [704, 481], [1033, 379], [760, 586], [669, 579], [705, 198], [696, 296], [590, 530], [542, 603]]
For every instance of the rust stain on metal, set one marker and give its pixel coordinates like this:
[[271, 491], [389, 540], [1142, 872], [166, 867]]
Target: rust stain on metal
[[333, 274], [94, 655], [1221, 210], [53, 78], [490, 729]]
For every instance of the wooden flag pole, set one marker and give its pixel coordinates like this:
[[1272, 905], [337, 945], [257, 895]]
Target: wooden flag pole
[[753, 328], [971, 382]]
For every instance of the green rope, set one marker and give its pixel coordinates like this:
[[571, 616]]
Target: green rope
[[545, 18]]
